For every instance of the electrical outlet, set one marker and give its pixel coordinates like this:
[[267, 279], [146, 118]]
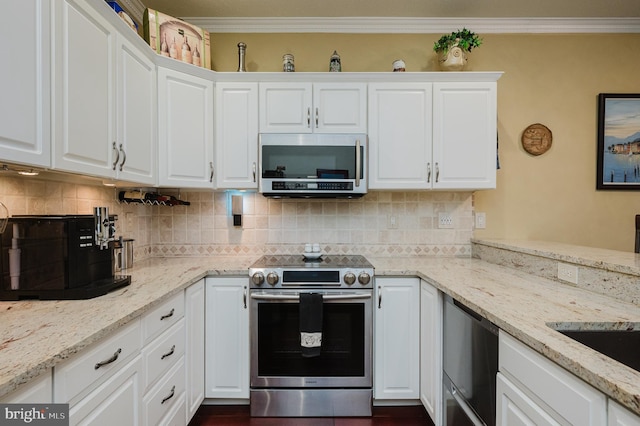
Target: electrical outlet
[[445, 220], [392, 222], [481, 220], [568, 272]]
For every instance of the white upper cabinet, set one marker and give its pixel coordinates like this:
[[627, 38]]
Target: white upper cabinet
[[400, 135], [432, 135], [464, 135], [25, 105], [84, 134], [185, 130], [136, 114], [236, 129], [104, 98], [313, 107]]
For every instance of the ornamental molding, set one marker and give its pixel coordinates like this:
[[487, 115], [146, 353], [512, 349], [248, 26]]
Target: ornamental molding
[[391, 25]]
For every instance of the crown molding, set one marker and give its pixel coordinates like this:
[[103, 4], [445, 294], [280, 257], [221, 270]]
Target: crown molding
[[391, 25]]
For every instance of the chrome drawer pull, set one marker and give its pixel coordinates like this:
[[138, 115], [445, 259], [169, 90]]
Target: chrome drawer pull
[[173, 391], [169, 315], [171, 351], [110, 360]]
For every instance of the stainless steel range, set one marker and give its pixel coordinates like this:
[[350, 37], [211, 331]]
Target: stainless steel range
[[335, 378]]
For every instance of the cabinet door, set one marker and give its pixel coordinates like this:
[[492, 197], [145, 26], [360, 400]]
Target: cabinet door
[[185, 130], [397, 336], [340, 108], [237, 135], [431, 350], [136, 110], [25, 105], [194, 352], [514, 408], [37, 391], [84, 131], [115, 402], [464, 135], [227, 338], [285, 107], [621, 416], [400, 136]]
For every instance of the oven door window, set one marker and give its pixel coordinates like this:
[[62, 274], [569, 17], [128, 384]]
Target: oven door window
[[343, 341]]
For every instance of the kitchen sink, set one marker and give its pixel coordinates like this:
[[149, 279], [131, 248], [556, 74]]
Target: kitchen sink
[[619, 341]]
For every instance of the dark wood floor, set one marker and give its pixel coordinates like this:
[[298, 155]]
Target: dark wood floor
[[238, 415]]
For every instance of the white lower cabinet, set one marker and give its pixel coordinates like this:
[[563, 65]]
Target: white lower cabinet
[[620, 416], [36, 391], [194, 356], [227, 338], [431, 350], [396, 372], [533, 389]]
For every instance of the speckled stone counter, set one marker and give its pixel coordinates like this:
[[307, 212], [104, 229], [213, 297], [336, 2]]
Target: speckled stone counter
[[37, 335]]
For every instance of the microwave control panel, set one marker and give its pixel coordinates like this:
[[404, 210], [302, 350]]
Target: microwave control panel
[[320, 186]]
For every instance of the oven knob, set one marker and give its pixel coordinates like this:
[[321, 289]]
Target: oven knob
[[364, 278], [272, 278], [349, 278], [258, 278]]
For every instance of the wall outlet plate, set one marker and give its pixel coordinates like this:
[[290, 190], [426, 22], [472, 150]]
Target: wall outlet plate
[[567, 272], [481, 220], [445, 220]]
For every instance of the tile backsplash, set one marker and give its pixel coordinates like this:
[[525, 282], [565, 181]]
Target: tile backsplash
[[380, 223]]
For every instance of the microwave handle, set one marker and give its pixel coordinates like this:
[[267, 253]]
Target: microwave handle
[[358, 163]]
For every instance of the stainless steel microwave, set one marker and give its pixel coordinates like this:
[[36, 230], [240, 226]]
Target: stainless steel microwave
[[312, 165]]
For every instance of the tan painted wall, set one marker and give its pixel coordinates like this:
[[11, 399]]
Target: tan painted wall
[[549, 79]]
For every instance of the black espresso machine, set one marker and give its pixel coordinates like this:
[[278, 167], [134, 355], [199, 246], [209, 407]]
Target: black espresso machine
[[58, 257]]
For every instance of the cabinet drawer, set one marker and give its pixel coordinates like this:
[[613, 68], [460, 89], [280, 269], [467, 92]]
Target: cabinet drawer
[[93, 365], [567, 397], [163, 352], [162, 398], [163, 317]]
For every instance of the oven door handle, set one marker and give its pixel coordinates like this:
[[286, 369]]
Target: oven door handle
[[287, 297]]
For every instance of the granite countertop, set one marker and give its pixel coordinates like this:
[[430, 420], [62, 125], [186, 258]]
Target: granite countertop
[[37, 335]]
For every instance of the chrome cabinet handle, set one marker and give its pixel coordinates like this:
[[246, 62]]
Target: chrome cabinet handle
[[211, 167], [110, 360], [309, 117], [428, 172], [124, 157], [358, 163], [316, 117], [437, 173], [115, 162], [379, 297], [169, 315], [244, 297], [173, 392], [171, 351], [254, 171]]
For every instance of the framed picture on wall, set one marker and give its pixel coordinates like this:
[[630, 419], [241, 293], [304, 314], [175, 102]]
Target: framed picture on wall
[[618, 141]]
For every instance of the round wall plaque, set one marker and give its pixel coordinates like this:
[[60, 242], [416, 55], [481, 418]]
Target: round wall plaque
[[536, 139]]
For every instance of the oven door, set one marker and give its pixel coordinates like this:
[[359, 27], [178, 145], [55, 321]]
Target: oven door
[[345, 359]]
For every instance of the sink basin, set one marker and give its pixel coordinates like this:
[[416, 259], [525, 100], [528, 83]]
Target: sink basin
[[619, 341]]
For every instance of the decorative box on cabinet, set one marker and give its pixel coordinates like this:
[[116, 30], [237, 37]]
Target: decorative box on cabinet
[[227, 338], [185, 130], [313, 107], [25, 129], [397, 339]]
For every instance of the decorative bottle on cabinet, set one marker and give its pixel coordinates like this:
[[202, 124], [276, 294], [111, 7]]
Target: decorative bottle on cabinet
[[186, 51]]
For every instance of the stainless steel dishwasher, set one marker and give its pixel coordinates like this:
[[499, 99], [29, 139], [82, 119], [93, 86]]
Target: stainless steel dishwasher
[[470, 365]]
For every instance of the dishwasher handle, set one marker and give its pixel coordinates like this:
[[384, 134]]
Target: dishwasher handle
[[482, 321]]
